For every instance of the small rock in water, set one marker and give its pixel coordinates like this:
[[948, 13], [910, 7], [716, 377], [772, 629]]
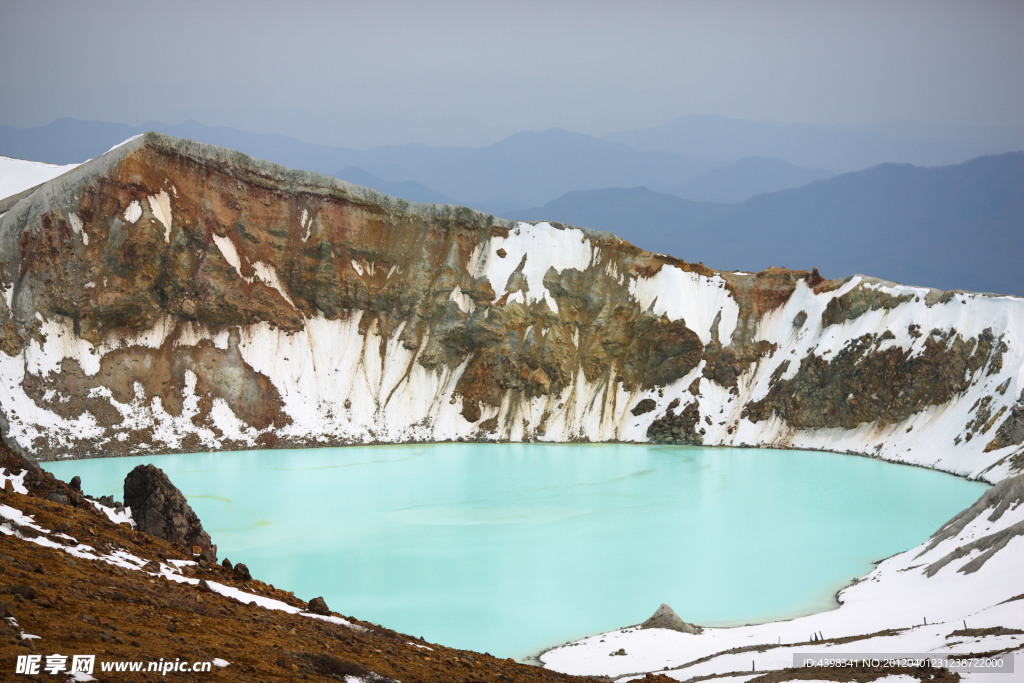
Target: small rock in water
[[665, 617]]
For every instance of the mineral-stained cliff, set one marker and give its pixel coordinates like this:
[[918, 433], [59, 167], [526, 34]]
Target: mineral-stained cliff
[[172, 296]]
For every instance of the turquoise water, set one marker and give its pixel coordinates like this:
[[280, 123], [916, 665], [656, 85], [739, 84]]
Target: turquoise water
[[509, 549]]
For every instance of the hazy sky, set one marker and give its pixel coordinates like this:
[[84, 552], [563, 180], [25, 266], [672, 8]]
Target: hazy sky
[[446, 72]]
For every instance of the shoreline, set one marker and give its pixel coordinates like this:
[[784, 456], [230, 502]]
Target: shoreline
[[298, 445], [534, 657]]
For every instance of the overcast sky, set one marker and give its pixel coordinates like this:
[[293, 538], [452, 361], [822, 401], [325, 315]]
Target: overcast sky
[[445, 72]]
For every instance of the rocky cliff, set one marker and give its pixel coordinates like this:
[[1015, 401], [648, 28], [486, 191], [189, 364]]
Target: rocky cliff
[[172, 296]]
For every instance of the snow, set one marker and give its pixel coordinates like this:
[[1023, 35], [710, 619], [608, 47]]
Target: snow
[[134, 212], [78, 228], [18, 517], [262, 271], [462, 300], [337, 384], [896, 595], [230, 254], [688, 296], [533, 250], [266, 273], [125, 142], [17, 480], [122, 516], [18, 175], [160, 205]]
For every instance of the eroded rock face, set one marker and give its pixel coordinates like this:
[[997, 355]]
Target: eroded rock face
[[160, 509], [996, 501], [172, 296]]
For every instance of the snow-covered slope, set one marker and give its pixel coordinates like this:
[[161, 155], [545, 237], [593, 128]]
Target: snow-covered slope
[[175, 296], [962, 592], [18, 175]]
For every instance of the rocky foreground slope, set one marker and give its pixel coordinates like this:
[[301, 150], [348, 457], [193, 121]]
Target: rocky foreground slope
[[172, 296], [72, 581]]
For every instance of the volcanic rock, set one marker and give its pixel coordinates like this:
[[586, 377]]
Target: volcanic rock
[[665, 617], [160, 509], [241, 572], [318, 606], [175, 288]]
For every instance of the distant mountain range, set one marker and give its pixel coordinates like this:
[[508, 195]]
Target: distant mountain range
[[745, 178], [950, 227], [720, 140], [525, 169], [702, 158], [764, 199], [408, 189]]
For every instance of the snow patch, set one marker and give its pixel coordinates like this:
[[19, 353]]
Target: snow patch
[[160, 205], [230, 254], [76, 227], [17, 481], [134, 212], [691, 297], [266, 273], [544, 247], [122, 516], [134, 137], [18, 175], [462, 300]]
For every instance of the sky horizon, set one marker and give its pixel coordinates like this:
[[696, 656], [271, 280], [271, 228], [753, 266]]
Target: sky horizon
[[471, 73]]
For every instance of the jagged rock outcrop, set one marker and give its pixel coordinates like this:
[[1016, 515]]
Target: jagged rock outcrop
[[160, 509], [666, 617], [173, 296]]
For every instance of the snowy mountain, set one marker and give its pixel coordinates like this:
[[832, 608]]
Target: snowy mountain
[[175, 296]]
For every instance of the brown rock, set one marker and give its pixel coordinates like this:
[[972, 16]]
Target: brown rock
[[160, 509], [644, 406], [27, 592], [318, 606], [241, 572]]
